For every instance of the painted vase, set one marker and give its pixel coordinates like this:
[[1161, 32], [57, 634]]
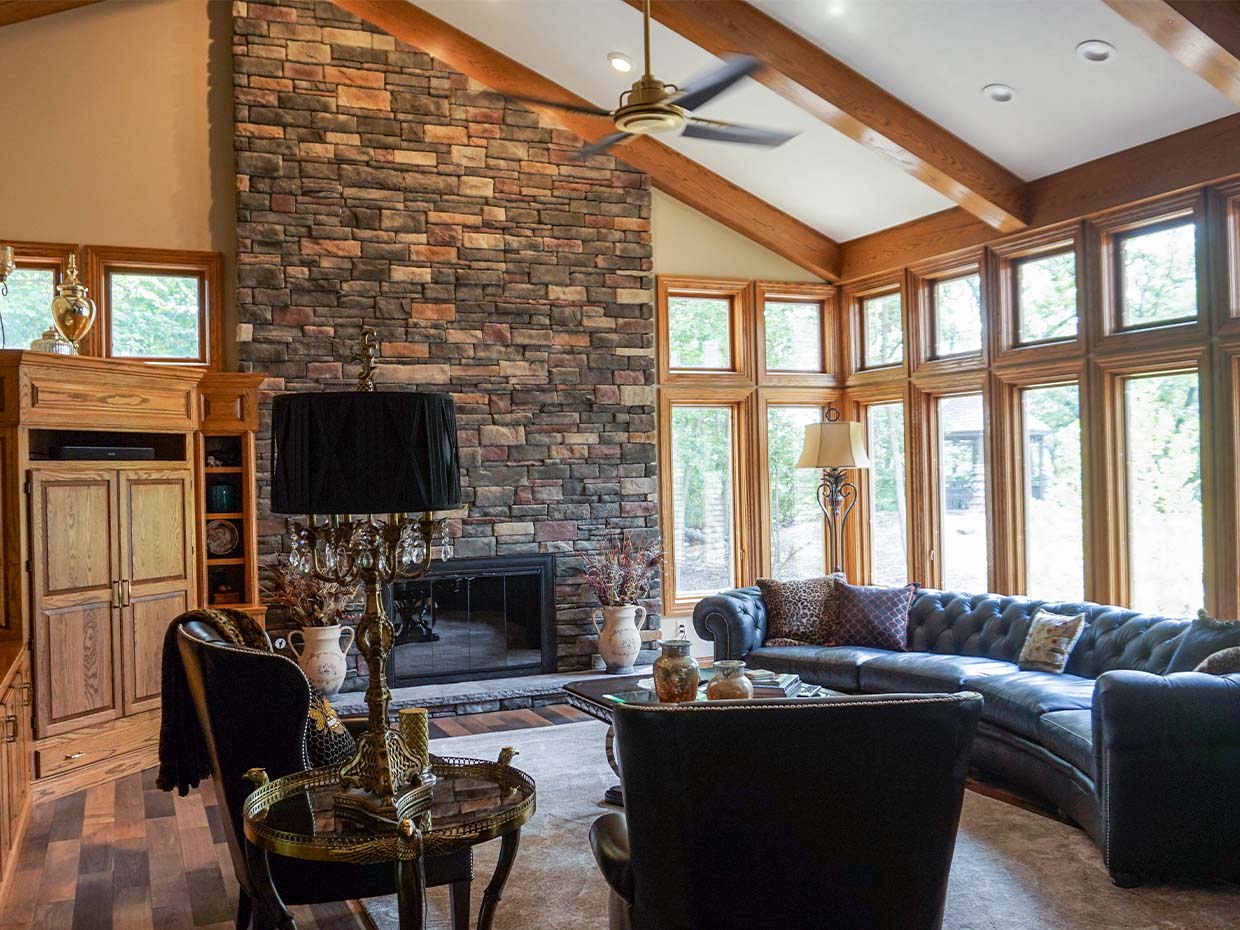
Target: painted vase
[[729, 682], [676, 673], [619, 640], [321, 656]]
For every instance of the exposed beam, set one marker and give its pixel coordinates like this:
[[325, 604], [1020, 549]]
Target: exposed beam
[[18, 11], [1190, 158], [671, 172], [1202, 36], [825, 87]]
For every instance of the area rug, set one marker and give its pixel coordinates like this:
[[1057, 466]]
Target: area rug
[[1013, 870]]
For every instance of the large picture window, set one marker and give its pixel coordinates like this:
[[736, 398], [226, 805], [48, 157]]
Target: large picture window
[[798, 548], [888, 505], [1054, 502], [963, 549], [702, 501]]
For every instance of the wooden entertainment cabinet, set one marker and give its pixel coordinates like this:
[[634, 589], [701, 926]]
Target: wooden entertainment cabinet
[[101, 551]]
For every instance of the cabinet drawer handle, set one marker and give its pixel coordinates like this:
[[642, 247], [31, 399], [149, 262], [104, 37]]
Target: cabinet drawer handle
[[74, 755], [10, 728], [116, 594], [124, 592]]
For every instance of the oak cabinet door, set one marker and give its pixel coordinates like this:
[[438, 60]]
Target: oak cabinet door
[[75, 563], [158, 582]]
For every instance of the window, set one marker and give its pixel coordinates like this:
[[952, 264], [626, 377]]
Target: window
[[958, 316], [699, 333], [883, 330], [702, 517], [798, 547], [1158, 275], [888, 508], [156, 316], [26, 311], [964, 558], [1054, 503], [1046, 298], [1162, 435], [793, 335]]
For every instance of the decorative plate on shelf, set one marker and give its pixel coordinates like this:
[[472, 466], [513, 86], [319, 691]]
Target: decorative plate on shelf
[[222, 537]]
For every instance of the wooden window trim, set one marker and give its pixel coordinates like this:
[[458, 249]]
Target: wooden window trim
[[1105, 235], [739, 294], [740, 400], [1004, 258], [852, 298], [826, 296], [102, 261], [923, 278], [1223, 230]]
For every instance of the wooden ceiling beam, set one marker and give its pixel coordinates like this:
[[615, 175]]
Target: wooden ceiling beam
[[1202, 36], [1191, 158], [670, 172], [18, 11], [848, 102]]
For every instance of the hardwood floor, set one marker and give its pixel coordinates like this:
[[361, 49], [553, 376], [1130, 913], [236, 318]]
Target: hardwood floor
[[126, 856]]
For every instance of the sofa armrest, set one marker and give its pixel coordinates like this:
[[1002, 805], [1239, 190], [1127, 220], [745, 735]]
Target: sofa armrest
[[609, 838], [734, 620], [1167, 758]]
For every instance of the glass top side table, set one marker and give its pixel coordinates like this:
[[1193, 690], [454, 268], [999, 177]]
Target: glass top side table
[[472, 801]]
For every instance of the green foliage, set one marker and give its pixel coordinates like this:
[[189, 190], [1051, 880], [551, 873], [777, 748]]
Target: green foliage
[[1159, 276], [886, 435], [884, 330], [155, 316], [793, 335], [27, 308], [958, 315], [1046, 297], [697, 329]]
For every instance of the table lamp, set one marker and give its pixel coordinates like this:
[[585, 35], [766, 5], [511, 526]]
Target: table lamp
[[835, 445]]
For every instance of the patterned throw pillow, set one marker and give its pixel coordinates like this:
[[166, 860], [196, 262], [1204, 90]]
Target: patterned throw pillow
[[1223, 662], [328, 742], [1204, 637], [1050, 641], [873, 616], [799, 612]]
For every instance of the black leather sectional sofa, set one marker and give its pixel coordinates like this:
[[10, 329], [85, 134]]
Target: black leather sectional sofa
[[1148, 764]]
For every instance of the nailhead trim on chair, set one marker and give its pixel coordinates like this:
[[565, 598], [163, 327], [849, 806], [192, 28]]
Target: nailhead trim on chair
[[699, 706]]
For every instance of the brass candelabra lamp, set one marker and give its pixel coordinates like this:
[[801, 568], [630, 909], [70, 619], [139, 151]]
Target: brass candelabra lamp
[[341, 458], [834, 445]]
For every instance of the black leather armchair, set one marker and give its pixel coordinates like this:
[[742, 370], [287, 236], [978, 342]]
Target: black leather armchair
[[839, 812], [252, 707]]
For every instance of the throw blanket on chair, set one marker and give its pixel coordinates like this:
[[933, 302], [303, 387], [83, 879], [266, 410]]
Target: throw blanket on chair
[[183, 759]]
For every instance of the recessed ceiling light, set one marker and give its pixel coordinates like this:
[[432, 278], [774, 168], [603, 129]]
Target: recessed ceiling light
[[1095, 51], [1000, 93], [620, 62]]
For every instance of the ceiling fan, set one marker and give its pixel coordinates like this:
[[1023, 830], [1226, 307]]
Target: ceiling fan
[[650, 107]]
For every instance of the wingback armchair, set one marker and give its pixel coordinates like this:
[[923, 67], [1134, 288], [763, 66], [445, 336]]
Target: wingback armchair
[[253, 707], [838, 812]]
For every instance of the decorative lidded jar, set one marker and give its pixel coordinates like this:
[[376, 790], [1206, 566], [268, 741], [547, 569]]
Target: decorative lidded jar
[[676, 673], [729, 682]]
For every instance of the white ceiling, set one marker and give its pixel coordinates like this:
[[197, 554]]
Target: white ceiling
[[933, 54]]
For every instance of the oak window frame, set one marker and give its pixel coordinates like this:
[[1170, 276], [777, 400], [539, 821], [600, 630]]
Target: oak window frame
[[739, 295], [1004, 260], [852, 303], [826, 299], [923, 280]]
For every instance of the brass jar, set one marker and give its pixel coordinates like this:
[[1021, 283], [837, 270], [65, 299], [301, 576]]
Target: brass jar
[[676, 673], [729, 682]]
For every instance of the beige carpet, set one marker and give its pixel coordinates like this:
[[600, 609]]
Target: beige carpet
[[1013, 870]]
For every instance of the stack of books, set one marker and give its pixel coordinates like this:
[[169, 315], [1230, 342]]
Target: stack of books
[[772, 684]]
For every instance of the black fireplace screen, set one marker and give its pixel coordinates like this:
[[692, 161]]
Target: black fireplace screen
[[474, 618]]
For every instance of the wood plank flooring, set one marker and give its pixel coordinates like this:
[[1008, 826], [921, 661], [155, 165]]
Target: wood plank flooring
[[126, 856]]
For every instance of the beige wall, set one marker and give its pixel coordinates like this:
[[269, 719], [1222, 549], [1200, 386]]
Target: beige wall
[[687, 242], [117, 122]]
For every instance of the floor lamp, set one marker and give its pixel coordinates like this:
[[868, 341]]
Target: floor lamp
[[835, 445]]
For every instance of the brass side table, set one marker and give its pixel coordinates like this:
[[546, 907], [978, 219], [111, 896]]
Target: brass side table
[[473, 801]]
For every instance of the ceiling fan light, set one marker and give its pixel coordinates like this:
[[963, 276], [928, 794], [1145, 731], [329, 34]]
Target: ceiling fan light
[[620, 62]]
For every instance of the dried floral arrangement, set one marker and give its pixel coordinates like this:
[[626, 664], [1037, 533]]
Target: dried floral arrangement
[[622, 572], [310, 601]]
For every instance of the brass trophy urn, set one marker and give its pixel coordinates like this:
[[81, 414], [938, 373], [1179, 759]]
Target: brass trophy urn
[[73, 312]]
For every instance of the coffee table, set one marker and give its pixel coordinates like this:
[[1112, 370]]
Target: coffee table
[[596, 697]]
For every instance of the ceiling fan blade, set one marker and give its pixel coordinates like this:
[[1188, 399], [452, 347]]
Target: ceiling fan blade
[[603, 144], [570, 107], [709, 86], [730, 132]]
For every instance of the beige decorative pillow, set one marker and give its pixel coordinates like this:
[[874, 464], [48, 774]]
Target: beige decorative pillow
[[1223, 662], [800, 612], [1050, 641]]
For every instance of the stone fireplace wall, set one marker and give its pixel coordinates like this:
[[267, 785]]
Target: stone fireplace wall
[[376, 186]]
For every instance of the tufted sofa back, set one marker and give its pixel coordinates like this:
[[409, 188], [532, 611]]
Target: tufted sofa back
[[995, 626]]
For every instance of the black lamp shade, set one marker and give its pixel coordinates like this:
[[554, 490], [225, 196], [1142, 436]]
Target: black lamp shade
[[360, 452]]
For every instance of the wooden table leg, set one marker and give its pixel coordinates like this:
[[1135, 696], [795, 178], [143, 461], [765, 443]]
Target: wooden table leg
[[411, 893], [614, 794], [495, 888], [269, 911]]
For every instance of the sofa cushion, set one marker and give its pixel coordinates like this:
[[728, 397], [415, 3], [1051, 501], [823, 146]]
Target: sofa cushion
[[870, 615], [926, 671], [829, 666], [1205, 637], [800, 612], [1069, 734], [1050, 641], [1016, 701]]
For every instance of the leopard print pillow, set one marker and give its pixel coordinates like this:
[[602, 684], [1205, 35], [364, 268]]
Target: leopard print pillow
[[800, 612]]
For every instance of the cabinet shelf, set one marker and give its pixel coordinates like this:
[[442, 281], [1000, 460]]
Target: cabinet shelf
[[221, 562], [222, 469], [225, 516]]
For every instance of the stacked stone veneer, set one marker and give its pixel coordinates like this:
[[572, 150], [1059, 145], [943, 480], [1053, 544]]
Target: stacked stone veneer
[[376, 186]]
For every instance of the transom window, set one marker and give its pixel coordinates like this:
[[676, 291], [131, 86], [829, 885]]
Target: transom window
[[957, 316], [1157, 274], [1046, 298], [156, 316], [882, 327], [699, 333], [793, 330]]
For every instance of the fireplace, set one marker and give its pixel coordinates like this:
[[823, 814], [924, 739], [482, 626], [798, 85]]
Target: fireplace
[[474, 618]]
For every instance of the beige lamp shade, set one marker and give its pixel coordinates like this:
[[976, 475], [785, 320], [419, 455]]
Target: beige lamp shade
[[833, 444]]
